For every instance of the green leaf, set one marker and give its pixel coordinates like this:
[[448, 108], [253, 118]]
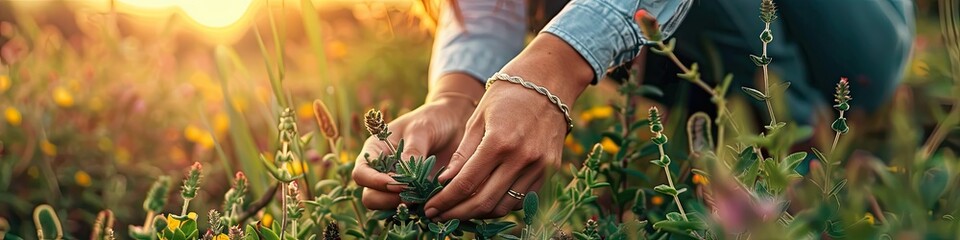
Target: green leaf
[[756, 94], [836, 188], [47, 222], [692, 75], [531, 204], [793, 160], [760, 60], [267, 234], [668, 190], [819, 155], [251, 233], [746, 160]]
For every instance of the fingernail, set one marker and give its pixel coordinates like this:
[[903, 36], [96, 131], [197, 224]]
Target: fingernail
[[431, 212]]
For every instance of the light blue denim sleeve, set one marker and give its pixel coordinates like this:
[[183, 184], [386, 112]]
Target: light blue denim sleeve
[[604, 32], [491, 33]]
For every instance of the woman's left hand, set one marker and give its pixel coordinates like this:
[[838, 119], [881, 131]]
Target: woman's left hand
[[515, 135]]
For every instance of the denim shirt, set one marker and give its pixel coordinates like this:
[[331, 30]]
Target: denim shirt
[[492, 33]]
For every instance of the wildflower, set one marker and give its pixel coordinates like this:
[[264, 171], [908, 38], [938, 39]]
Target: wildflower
[[648, 25], [192, 133], [191, 184], [48, 148], [700, 180], [266, 220], [297, 167], [919, 68], [221, 123], [157, 195], [656, 200], [373, 119], [573, 145], [122, 155], [304, 111], [62, 97], [325, 120], [13, 116], [82, 178], [345, 158], [609, 146], [337, 50], [4, 83], [896, 169], [868, 217], [221, 237], [768, 11], [173, 223]]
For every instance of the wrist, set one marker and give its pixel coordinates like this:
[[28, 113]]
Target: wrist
[[553, 64], [456, 87]]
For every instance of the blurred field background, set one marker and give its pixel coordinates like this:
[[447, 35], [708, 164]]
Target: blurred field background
[[99, 97]]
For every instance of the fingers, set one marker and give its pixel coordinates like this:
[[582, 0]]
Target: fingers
[[378, 200], [526, 183], [485, 202], [417, 143], [472, 138], [366, 176], [469, 179]]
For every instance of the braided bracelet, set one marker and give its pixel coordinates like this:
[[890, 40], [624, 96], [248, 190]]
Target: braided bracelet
[[553, 98]]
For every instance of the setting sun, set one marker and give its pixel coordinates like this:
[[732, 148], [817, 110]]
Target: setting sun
[[209, 13]]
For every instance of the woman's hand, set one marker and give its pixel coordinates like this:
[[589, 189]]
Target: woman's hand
[[514, 136], [435, 128]]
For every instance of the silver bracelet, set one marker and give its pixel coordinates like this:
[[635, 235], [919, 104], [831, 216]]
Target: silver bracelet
[[553, 98]]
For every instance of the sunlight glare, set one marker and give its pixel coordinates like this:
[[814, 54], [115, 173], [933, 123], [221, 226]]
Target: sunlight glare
[[209, 13]]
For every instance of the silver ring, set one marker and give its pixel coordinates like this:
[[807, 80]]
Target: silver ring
[[515, 194]]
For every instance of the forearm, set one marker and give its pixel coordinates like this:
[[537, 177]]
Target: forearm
[[553, 64]]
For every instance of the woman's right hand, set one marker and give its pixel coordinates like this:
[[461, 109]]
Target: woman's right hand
[[434, 128]]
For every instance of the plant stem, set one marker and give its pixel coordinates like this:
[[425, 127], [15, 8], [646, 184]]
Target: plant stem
[[836, 138], [283, 210], [357, 211], [259, 204], [676, 199], [766, 81], [721, 107], [148, 221], [186, 202], [940, 132]]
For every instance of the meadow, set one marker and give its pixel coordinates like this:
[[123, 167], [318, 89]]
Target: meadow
[[126, 121]]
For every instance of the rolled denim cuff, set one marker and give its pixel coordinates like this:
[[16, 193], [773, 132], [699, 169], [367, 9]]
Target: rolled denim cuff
[[604, 32]]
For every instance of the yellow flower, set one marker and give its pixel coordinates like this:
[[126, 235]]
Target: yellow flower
[[266, 220], [206, 141], [344, 158], [13, 116], [305, 110], [62, 97], [656, 200], [221, 123], [609, 146], [896, 169], [337, 49], [4, 83], [573, 145], [122, 155], [82, 178], [297, 167], [174, 223], [700, 179], [192, 133], [920, 68], [599, 112], [221, 237], [869, 218], [48, 148]]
